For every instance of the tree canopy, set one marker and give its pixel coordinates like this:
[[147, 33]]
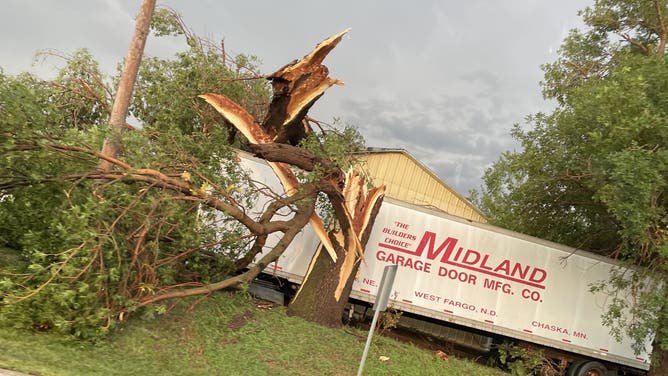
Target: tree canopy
[[82, 247], [592, 173]]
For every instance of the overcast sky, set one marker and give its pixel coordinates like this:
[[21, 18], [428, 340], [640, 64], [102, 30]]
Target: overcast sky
[[445, 80]]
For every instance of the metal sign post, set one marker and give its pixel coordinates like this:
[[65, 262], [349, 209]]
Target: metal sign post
[[379, 306]]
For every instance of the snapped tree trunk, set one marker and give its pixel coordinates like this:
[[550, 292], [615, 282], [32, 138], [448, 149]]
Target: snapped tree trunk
[[327, 284], [296, 87], [317, 299]]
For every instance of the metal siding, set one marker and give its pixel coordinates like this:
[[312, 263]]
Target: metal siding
[[390, 170], [430, 190], [378, 168], [419, 185], [452, 203], [439, 195], [400, 171], [459, 210], [408, 181], [417, 182], [411, 179]]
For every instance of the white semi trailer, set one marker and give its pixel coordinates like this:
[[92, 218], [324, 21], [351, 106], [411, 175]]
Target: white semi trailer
[[481, 277]]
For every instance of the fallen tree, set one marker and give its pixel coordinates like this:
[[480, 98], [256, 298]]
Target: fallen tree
[[138, 225]]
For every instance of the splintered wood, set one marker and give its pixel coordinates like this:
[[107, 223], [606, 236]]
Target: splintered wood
[[296, 87]]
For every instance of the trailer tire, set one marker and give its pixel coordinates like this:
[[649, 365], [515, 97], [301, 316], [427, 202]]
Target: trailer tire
[[590, 368], [573, 368]]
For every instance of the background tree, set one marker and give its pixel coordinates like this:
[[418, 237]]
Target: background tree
[[592, 174]]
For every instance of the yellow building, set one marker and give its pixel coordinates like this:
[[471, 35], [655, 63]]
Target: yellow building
[[407, 179]]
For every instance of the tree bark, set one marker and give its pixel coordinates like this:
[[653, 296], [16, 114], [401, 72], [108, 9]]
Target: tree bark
[[119, 110], [297, 223], [296, 87], [327, 284], [293, 155], [663, 28], [316, 300]]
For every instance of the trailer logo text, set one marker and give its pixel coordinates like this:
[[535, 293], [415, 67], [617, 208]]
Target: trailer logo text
[[448, 257]]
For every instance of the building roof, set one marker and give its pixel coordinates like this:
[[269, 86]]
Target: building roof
[[411, 188]]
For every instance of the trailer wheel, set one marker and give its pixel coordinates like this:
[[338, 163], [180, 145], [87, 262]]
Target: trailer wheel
[[573, 368], [590, 368]]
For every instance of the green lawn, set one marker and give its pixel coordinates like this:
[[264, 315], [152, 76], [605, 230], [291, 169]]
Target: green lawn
[[227, 334]]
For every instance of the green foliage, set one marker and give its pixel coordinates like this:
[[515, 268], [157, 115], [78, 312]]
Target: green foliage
[[389, 320], [84, 247], [592, 174], [166, 22], [80, 92], [85, 251], [336, 143], [101, 248], [640, 313], [167, 90], [525, 360]]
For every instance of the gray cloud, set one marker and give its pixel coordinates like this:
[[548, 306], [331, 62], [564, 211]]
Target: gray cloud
[[456, 137]]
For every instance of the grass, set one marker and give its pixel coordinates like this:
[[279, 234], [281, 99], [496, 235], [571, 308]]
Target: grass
[[227, 334]]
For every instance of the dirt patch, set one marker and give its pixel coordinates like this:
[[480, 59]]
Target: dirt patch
[[240, 320]]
